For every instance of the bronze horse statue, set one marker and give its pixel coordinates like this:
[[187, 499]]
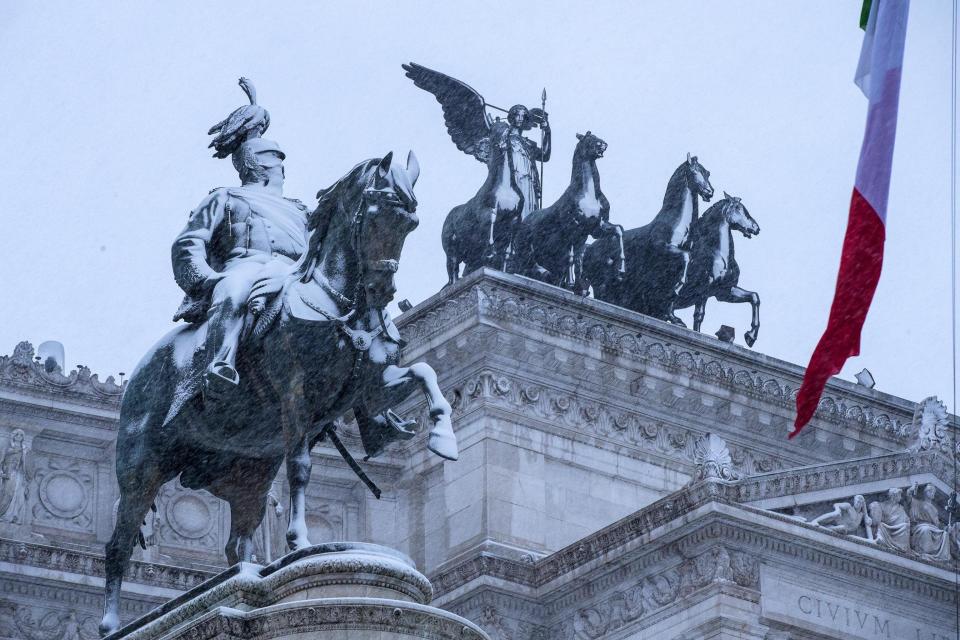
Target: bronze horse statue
[[549, 244], [713, 271], [479, 232], [658, 253], [319, 348]]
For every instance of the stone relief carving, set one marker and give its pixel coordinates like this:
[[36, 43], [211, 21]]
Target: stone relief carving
[[502, 303], [716, 565], [33, 623], [848, 519], [928, 536], [929, 427], [910, 522], [57, 559], [712, 461], [891, 522], [65, 488], [16, 475]]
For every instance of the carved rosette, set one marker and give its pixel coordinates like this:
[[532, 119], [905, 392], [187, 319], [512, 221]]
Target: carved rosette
[[65, 491]]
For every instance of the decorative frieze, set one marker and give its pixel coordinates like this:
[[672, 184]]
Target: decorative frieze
[[542, 309], [578, 412], [91, 564]]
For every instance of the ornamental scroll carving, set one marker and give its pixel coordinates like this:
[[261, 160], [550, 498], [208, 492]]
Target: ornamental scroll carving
[[571, 411]]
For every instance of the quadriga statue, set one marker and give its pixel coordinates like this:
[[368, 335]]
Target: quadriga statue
[[223, 400], [549, 243], [657, 254]]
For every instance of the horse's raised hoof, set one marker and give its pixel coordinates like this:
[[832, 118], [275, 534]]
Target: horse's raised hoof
[[442, 440], [750, 337], [109, 624]]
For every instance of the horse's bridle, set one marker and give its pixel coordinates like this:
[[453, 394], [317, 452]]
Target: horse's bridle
[[388, 265]]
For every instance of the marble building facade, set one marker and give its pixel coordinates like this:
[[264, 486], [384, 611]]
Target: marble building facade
[[619, 478]]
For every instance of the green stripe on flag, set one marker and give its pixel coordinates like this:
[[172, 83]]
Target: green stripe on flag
[[865, 14]]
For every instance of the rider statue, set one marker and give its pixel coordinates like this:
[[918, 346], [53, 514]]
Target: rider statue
[[236, 236]]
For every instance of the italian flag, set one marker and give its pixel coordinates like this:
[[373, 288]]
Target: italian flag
[[878, 76]]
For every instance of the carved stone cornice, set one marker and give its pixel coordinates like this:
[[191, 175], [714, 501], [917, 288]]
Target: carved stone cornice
[[52, 414], [349, 615], [741, 529], [576, 412], [20, 372], [836, 475], [91, 564], [496, 297]]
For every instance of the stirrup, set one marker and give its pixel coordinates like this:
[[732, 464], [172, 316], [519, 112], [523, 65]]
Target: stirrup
[[220, 379], [404, 429]]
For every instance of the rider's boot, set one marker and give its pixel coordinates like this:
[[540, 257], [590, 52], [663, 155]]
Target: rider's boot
[[221, 377]]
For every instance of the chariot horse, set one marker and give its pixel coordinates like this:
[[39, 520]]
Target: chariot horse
[[549, 244], [713, 271], [657, 254]]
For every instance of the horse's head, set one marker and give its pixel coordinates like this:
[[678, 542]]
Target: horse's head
[[590, 146], [738, 217], [385, 217], [698, 178]]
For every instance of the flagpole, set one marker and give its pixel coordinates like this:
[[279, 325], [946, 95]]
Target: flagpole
[[953, 279]]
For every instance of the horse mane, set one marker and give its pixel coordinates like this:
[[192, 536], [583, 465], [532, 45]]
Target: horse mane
[[671, 184], [328, 206]]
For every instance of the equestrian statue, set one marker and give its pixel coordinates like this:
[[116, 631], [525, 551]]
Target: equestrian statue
[[549, 243], [287, 332], [657, 254], [713, 271], [480, 232]]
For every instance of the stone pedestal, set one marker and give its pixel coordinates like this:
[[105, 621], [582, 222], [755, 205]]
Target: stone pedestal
[[325, 592]]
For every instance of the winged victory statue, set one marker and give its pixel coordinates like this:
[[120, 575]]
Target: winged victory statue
[[480, 232]]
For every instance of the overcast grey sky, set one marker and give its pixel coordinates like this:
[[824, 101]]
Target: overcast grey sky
[[105, 108]]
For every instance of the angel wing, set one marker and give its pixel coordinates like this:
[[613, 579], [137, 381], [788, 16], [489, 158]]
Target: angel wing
[[464, 110], [248, 121]]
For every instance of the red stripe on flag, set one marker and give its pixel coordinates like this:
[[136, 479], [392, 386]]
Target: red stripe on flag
[[860, 265]]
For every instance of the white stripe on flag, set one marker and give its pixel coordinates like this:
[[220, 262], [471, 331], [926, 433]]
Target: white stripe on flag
[[878, 75]]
